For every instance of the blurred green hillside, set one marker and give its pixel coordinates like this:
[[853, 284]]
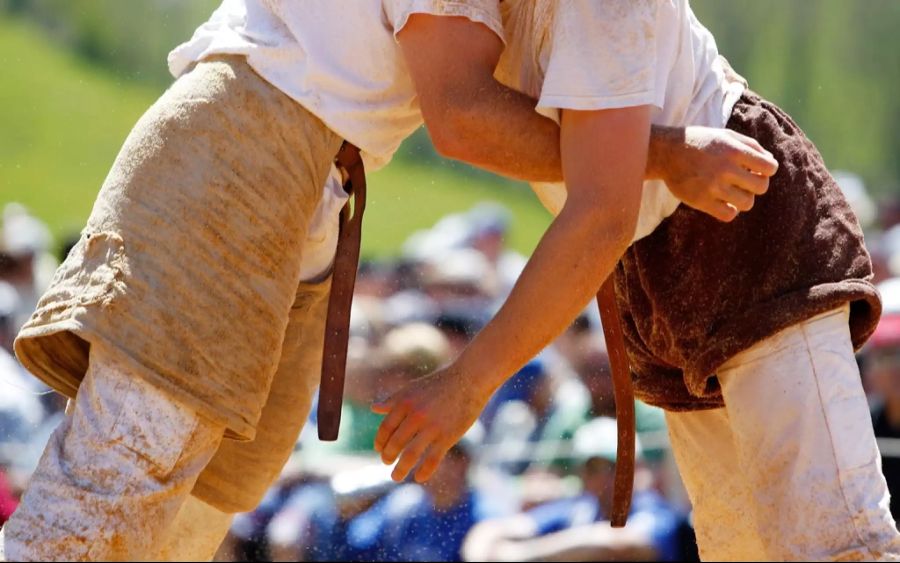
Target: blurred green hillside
[[78, 73], [63, 119]]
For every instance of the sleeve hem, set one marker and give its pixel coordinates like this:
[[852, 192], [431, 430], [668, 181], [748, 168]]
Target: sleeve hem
[[596, 102], [450, 8]]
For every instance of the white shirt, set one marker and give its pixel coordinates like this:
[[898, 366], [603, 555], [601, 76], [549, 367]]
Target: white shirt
[[607, 54], [340, 60]]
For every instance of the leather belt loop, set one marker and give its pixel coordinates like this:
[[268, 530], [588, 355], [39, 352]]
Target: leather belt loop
[[624, 395], [346, 263]]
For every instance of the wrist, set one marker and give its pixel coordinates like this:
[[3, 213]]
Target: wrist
[[479, 370], [664, 144]]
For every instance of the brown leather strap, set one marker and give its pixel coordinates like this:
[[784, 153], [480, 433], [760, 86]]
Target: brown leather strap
[[346, 262], [624, 394]]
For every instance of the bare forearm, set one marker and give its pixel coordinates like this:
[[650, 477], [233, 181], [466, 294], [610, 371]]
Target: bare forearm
[[469, 114], [501, 132], [604, 155], [569, 265]]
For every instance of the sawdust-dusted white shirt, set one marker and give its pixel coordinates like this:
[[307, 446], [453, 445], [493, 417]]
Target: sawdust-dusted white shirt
[[340, 60], [608, 54]]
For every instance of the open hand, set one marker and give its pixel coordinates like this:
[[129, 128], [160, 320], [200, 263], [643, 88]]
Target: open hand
[[424, 420]]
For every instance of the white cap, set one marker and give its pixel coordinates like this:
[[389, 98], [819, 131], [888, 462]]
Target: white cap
[[598, 438], [23, 233], [417, 345], [463, 266]]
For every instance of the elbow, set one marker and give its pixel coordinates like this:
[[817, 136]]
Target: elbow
[[449, 140], [451, 134], [604, 225], [447, 143]]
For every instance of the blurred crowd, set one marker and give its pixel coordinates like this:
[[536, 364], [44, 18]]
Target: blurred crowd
[[530, 481]]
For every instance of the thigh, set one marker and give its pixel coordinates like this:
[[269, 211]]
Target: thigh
[[722, 505], [114, 473], [805, 442], [190, 260], [241, 472]]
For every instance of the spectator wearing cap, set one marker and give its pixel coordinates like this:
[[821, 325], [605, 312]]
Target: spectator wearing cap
[[541, 407], [405, 353], [490, 224], [460, 324], [461, 275], [425, 522], [576, 528], [25, 259]]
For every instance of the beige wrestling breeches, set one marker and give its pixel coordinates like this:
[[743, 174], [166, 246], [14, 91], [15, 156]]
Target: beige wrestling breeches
[[789, 470], [185, 292], [114, 474]]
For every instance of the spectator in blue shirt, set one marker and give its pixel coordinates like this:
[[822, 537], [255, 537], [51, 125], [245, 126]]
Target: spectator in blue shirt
[[424, 522], [577, 528]]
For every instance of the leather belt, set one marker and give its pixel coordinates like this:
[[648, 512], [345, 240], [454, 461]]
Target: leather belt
[[624, 395], [343, 279]]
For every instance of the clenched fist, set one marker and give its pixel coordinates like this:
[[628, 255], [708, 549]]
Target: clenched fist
[[717, 171]]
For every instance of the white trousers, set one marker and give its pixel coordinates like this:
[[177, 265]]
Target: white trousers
[[115, 476], [789, 469]]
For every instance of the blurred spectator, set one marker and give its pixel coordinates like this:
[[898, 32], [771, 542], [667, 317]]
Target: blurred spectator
[[489, 226], [877, 246], [889, 211], [10, 304], [594, 372], [25, 259], [579, 338], [309, 522], [889, 245], [375, 279], [424, 522], [450, 233], [407, 352], [460, 276], [21, 410], [882, 372], [305, 517], [460, 324], [576, 529], [532, 416], [8, 502], [858, 197], [409, 306]]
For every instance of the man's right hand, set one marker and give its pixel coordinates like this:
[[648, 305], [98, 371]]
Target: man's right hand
[[717, 171], [472, 117]]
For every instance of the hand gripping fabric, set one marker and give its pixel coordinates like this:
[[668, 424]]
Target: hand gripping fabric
[[346, 262], [624, 395]]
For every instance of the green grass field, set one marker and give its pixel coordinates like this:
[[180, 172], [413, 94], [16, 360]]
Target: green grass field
[[63, 120]]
